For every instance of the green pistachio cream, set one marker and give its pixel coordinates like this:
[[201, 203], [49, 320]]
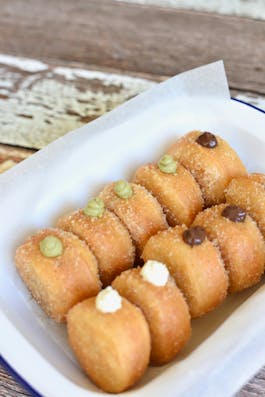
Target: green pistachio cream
[[167, 164], [95, 208], [51, 246], [123, 189]]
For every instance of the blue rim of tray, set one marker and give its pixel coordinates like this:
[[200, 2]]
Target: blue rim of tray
[[19, 379], [11, 370], [248, 104]]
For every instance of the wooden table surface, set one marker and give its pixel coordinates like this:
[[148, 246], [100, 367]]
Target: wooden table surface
[[62, 64]]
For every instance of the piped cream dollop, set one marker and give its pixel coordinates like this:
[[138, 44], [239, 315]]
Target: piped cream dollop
[[123, 189], [95, 208], [108, 300], [155, 273], [51, 247], [167, 164]]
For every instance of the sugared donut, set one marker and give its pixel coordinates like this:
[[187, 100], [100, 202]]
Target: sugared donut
[[212, 162], [58, 269], [194, 263], [258, 177], [108, 239], [153, 290], [137, 208], [111, 340], [249, 193], [174, 187], [240, 241]]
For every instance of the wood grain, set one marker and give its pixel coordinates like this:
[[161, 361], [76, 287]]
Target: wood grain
[[9, 387], [133, 37], [64, 84], [75, 38], [10, 156], [40, 102], [255, 387]]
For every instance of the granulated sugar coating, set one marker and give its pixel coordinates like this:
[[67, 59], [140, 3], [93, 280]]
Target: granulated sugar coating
[[221, 250], [108, 239], [258, 177], [213, 168], [141, 213], [178, 193], [198, 271], [165, 310], [249, 193], [241, 245], [58, 283]]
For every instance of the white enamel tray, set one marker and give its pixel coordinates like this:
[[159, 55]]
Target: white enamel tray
[[227, 346]]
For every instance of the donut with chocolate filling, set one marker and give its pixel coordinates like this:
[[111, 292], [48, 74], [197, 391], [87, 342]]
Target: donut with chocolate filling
[[249, 193], [212, 162], [195, 264], [240, 242]]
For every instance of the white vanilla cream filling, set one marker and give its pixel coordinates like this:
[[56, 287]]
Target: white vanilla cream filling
[[155, 273], [108, 300]]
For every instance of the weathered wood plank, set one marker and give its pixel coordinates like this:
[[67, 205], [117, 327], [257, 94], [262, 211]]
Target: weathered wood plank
[[41, 101], [15, 154], [135, 37], [18, 74], [255, 387], [10, 156], [9, 387]]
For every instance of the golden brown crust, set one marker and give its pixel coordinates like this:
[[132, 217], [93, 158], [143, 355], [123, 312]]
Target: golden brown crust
[[249, 193], [241, 244], [112, 348], [198, 271], [58, 283], [108, 239], [212, 168], [258, 177], [165, 310], [178, 194], [141, 214]]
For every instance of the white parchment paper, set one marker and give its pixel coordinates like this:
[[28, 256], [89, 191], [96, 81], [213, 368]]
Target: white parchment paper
[[227, 345]]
